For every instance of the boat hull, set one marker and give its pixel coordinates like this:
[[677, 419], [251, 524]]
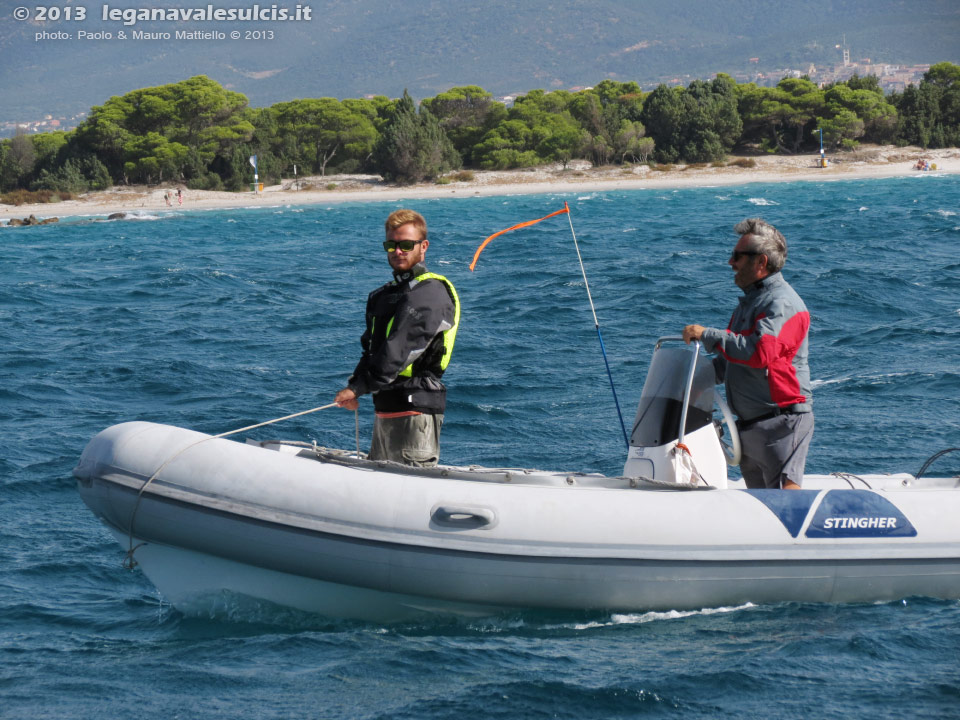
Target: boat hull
[[374, 542]]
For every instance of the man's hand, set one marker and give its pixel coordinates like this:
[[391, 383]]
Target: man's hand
[[692, 332], [347, 398]]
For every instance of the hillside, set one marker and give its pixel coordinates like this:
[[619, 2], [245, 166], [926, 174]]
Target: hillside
[[352, 48]]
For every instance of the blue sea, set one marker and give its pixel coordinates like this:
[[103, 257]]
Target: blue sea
[[218, 320]]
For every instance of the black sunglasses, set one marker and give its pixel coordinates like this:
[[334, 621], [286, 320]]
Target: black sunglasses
[[404, 245], [737, 254]]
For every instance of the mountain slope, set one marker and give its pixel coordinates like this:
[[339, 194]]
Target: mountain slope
[[352, 48]]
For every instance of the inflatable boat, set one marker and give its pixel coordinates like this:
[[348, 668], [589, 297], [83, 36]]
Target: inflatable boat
[[329, 531]]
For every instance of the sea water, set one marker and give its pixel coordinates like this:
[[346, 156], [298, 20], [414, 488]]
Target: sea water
[[217, 320]]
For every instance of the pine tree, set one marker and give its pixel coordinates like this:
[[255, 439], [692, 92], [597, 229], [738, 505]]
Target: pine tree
[[413, 146]]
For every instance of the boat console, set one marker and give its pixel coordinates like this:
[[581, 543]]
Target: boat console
[[675, 439]]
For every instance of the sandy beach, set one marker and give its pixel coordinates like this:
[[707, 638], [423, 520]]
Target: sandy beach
[[867, 162]]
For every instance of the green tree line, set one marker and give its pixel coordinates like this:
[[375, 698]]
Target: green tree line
[[200, 134]]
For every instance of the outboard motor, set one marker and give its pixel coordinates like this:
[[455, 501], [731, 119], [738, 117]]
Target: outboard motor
[[675, 439]]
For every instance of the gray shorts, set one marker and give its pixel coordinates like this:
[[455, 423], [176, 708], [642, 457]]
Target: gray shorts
[[409, 440], [775, 450]]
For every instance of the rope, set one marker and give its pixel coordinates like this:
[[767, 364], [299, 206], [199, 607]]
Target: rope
[[693, 466], [933, 457], [850, 477], [128, 561], [356, 422]]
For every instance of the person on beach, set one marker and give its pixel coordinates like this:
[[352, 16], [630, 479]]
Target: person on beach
[[166, 196], [179, 196], [411, 325], [762, 355]]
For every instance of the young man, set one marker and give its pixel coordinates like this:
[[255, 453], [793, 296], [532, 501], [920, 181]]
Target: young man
[[411, 327], [763, 354]]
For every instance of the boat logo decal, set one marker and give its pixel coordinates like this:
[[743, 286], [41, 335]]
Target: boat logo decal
[[858, 514], [791, 507]]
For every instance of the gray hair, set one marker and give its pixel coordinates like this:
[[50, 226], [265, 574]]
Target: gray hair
[[766, 239]]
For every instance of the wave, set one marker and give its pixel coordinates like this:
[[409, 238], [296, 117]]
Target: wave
[[655, 616], [761, 201], [859, 381], [538, 621], [144, 216]]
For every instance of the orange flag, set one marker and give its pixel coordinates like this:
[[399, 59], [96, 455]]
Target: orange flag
[[528, 223]]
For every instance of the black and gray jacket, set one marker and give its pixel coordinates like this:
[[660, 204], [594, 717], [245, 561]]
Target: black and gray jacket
[[411, 326]]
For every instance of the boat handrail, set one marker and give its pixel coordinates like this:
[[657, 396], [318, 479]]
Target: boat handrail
[[667, 338], [687, 390]]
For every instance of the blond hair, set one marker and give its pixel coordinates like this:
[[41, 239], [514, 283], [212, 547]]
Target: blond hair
[[405, 217]]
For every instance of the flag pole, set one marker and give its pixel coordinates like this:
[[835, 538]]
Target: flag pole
[[596, 324]]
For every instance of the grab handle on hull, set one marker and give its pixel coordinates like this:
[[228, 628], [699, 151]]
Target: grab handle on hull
[[463, 517]]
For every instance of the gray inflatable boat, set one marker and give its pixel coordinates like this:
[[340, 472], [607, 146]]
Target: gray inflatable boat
[[327, 531]]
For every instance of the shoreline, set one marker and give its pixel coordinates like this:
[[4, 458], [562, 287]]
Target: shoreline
[[869, 163]]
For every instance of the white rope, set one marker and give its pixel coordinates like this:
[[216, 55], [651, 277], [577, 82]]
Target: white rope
[[356, 424], [129, 562]]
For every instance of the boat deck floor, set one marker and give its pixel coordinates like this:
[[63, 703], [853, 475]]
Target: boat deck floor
[[528, 476]]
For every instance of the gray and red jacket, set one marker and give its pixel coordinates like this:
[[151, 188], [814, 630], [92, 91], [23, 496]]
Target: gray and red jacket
[[763, 352]]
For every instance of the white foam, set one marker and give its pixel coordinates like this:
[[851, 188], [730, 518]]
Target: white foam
[[141, 216], [876, 379], [510, 624], [640, 618], [761, 201]]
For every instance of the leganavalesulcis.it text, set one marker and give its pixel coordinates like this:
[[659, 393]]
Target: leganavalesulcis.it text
[[131, 16]]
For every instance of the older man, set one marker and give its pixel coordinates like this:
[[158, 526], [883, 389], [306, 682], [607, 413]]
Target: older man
[[763, 357], [411, 324]]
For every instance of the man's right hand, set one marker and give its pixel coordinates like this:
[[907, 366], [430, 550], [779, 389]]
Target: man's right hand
[[347, 399], [692, 332]]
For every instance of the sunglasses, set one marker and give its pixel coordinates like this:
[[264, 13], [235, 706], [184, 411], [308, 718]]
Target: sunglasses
[[737, 254], [402, 245]]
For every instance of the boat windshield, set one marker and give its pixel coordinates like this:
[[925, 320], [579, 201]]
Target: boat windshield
[[661, 404]]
